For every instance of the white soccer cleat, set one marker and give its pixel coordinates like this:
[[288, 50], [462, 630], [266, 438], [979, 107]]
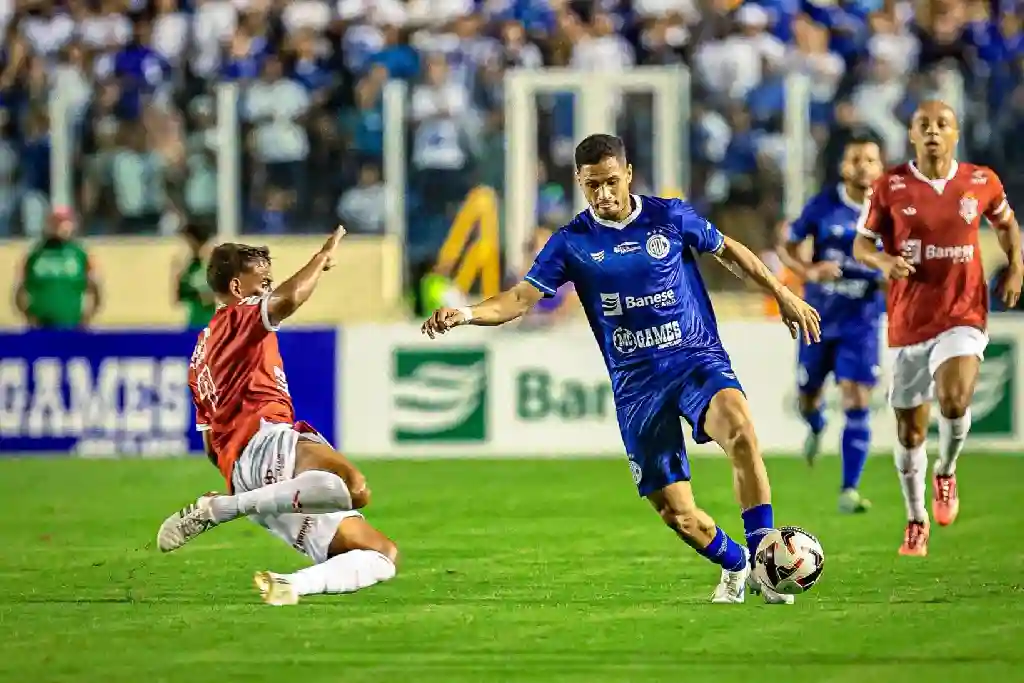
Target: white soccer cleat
[[771, 597], [731, 588], [185, 524], [275, 589]]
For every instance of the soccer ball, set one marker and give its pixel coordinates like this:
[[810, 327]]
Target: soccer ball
[[789, 560]]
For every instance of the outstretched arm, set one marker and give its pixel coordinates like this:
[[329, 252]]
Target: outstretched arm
[[800, 318], [743, 262], [498, 310], [296, 290]]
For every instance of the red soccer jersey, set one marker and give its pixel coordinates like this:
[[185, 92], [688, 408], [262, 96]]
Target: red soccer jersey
[[934, 225], [237, 379]]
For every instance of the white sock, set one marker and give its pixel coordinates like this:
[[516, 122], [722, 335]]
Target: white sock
[[952, 436], [345, 573], [912, 465], [313, 491]]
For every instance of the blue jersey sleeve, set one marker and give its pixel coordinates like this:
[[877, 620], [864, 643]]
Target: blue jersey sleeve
[[803, 226], [549, 271], [697, 231]]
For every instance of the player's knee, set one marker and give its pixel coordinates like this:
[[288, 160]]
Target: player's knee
[[910, 434], [953, 401], [739, 440], [361, 497]]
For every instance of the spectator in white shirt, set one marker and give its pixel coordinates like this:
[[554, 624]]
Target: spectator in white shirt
[[275, 106], [440, 110], [361, 208]]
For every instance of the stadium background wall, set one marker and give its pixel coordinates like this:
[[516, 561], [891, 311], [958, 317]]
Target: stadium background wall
[[385, 391], [138, 291]]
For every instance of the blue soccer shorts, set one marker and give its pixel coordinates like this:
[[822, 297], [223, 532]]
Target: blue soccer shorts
[[650, 426], [849, 358]]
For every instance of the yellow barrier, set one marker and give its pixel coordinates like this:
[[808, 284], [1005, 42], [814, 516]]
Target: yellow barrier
[[138, 289], [480, 259]]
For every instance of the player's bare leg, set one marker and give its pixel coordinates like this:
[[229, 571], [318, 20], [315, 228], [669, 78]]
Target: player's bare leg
[[678, 509], [856, 443], [359, 556], [324, 481], [955, 380], [729, 423], [912, 466], [811, 409]]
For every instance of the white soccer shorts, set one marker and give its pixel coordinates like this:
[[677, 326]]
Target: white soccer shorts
[[268, 458], [914, 367]]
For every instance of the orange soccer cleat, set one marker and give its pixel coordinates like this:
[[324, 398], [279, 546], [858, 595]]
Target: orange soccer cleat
[[915, 539], [945, 499]]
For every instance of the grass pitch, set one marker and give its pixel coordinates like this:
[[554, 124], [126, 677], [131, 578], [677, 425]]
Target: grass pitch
[[512, 571]]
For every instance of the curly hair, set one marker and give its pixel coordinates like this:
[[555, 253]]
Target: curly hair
[[229, 260]]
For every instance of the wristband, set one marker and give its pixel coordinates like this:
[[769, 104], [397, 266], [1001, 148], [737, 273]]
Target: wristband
[[467, 314]]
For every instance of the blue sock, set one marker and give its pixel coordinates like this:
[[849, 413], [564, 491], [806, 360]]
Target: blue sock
[[757, 521], [723, 551], [856, 442], [815, 419]]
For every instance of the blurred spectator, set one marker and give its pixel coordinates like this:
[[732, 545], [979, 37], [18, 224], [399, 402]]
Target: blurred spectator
[[361, 208], [190, 286], [139, 79], [58, 287]]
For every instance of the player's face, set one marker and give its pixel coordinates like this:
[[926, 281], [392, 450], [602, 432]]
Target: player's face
[[934, 131], [606, 187], [255, 281], [862, 165]]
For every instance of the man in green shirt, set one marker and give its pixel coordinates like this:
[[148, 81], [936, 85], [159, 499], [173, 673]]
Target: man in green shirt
[[192, 290], [58, 287]]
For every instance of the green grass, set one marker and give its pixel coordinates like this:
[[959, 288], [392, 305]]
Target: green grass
[[512, 571]]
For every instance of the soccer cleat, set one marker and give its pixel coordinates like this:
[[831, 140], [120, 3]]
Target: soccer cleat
[[731, 588], [851, 502], [275, 590], [186, 524], [812, 446], [770, 596], [945, 499], [915, 540]]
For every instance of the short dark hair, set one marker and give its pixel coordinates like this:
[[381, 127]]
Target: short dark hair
[[229, 260], [200, 232], [594, 149], [865, 137]]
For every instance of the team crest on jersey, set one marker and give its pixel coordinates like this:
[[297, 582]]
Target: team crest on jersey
[[658, 246], [968, 208]]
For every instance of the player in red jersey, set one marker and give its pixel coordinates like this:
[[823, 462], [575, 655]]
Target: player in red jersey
[[281, 473], [927, 214]]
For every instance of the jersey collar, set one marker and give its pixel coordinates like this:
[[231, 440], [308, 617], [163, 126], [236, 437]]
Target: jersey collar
[[619, 225], [921, 176], [845, 198]]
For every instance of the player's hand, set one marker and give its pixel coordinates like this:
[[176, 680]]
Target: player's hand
[[825, 271], [897, 268], [331, 245], [442, 320], [800, 317], [1012, 281]]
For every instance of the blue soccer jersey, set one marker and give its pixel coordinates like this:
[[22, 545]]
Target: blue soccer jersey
[[851, 306], [645, 300]]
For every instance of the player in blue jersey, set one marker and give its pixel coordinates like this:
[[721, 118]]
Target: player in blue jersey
[[850, 299], [633, 262]]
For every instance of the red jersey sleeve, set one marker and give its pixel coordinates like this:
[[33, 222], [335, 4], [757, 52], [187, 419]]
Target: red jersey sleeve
[[251, 318], [876, 218], [202, 412], [998, 210]]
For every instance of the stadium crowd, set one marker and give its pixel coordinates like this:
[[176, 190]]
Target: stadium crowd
[[140, 77]]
